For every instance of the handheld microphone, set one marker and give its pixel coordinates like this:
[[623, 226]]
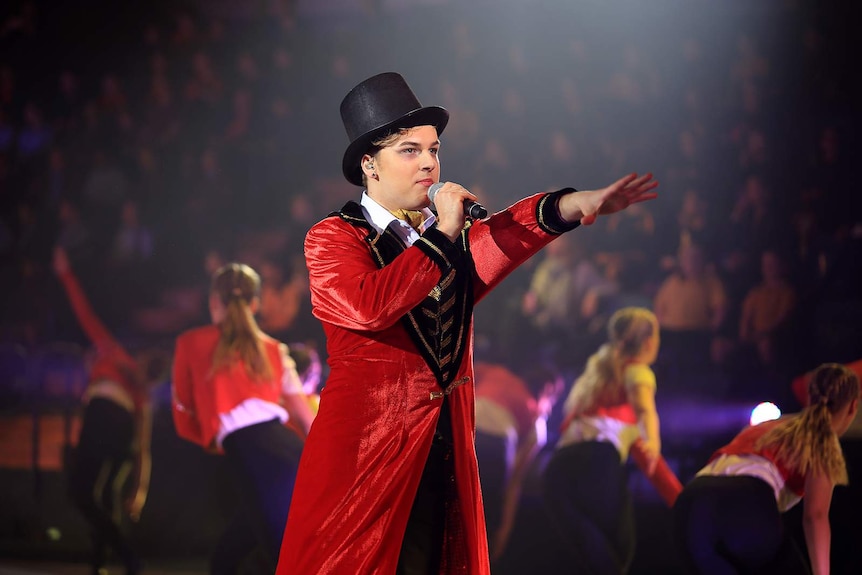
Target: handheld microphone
[[472, 209]]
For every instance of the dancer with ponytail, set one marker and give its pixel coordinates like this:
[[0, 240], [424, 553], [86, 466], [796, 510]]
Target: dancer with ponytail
[[610, 413], [727, 519], [234, 390]]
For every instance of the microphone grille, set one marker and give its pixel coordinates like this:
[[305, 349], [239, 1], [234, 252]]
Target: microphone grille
[[433, 189]]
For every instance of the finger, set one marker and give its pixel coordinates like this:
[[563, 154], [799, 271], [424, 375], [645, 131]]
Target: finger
[[639, 181], [452, 187], [643, 198], [645, 187], [635, 190], [465, 192], [633, 194], [624, 182]]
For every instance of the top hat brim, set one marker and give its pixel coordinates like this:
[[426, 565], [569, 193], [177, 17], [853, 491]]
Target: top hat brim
[[426, 116]]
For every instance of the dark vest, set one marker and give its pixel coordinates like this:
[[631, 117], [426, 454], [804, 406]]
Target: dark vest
[[439, 326]]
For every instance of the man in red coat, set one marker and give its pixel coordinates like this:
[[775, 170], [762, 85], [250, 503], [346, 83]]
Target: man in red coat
[[388, 481]]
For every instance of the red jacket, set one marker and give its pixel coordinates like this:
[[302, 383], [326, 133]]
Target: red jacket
[[744, 444], [199, 395], [364, 456], [112, 361], [499, 385]]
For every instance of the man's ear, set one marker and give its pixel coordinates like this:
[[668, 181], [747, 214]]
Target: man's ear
[[367, 165]]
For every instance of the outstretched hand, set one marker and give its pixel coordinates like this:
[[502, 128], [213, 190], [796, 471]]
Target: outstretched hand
[[628, 190]]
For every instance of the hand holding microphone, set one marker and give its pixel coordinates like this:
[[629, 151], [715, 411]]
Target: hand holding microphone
[[472, 208]]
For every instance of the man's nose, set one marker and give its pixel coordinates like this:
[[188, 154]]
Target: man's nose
[[428, 161]]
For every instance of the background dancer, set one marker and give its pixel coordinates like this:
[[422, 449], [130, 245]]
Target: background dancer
[[609, 412], [234, 389], [728, 518], [114, 441]]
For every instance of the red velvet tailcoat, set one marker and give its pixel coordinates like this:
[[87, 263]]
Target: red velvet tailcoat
[[366, 450]]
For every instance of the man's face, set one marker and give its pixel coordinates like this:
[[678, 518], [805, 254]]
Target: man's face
[[406, 169]]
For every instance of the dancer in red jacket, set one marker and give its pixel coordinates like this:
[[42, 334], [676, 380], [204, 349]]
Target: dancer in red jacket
[[388, 480], [234, 389], [511, 430], [727, 519], [115, 431]]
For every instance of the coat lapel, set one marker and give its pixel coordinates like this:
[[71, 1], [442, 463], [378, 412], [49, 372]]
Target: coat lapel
[[439, 326]]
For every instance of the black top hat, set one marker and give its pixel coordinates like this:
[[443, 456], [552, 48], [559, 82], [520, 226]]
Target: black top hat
[[376, 107]]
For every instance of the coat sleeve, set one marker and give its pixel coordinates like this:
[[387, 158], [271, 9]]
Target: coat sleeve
[[350, 290], [182, 396], [508, 238]]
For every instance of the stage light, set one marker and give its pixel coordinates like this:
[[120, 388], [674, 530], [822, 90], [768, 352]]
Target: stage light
[[764, 411]]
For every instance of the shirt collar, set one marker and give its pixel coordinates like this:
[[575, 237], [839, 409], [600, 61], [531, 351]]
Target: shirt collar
[[381, 218]]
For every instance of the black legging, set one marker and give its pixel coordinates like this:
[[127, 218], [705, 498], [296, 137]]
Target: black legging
[[585, 490], [263, 459], [730, 525], [97, 475]]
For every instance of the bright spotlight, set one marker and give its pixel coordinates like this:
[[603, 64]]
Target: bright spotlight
[[764, 411]]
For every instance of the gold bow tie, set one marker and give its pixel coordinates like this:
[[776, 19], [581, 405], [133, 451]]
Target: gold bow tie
[[413, 217]]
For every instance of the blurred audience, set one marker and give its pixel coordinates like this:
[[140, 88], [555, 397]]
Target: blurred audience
[[565, 279], [767, 308], [690, 304], [201, 140]]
